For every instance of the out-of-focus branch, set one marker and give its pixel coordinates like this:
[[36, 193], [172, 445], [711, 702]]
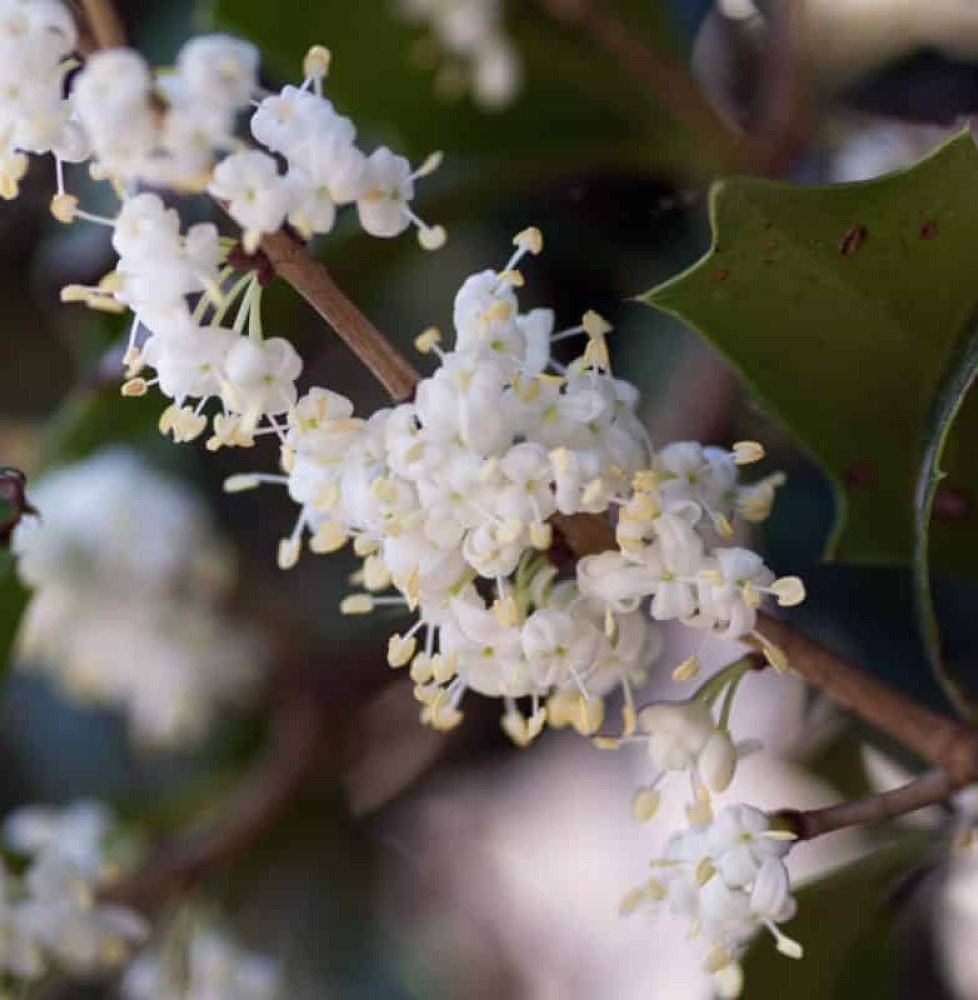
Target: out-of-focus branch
[[655, 70], [258, 804], [928, 790]]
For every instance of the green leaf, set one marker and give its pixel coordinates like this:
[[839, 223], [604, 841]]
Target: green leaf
[[92, 418], [576, 105], [959, 377], [13, 600], [847, 923], [841, 306]]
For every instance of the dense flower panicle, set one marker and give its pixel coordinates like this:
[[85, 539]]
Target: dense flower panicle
[[210, 966], [448, 500], [107, 589], [49, 915], [469, 38]]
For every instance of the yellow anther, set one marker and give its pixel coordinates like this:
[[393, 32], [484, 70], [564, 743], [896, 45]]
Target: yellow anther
[[512, 277], [316, 63], [431, 164], [655, 890], [422, 668], [444, 667], [589, 716], [63, 207], [645, 804], [357, 604], [705, 870], [595, 325], [530, 240], [752, 596], [134, 387], [746, 452], [401, 650], [330, 536], [687, 670], [724, 527], [629, 719], [425, 342], [376, 575], [241, 483], [432, 237], [364, 546], [75, 293], [289, 550], [789, 590], [645, 481], [631, 901]]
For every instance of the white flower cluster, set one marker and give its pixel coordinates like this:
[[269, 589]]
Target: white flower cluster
[[168, 131], [208, 966], [449, 499], [470, 35], [49, 915], [36, 38], [326, 169], [129, 580], [727, 877]]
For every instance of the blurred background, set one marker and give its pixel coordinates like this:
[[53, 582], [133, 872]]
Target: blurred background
[[410, 863]]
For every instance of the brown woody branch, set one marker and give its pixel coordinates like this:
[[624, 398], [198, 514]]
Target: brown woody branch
[[928, 790], [315, 284]]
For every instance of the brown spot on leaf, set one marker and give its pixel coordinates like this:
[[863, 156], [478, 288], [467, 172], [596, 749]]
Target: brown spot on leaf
[[929, 229], [853, 240], [861, 474], [771, 245], [951, 504], [721, 275]]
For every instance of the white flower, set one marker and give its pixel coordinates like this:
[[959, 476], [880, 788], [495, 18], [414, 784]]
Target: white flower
[[258, 195], [559, 648], [739, 845], [677, 733], [218, 71], [260, 378]]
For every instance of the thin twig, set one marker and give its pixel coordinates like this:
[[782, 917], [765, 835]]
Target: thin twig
[[656, 70], [928, 790], [315, 284], [257, 806]]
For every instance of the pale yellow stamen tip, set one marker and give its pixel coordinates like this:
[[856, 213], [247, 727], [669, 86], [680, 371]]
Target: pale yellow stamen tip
[[724, 527], [444, 667], [506, 612], [432, 237], [687, 670], [512, 277], [431, 164], [705, 870], [316, 63], [134, 387], [75, 293], [631, 902], [789, 590], [746, 452], [241, 483], [425, 342], [789, 835], [421, 669], [329, 537], [645, 804], [400, 651], [595, 325], [357, 604], [530, 239], [63, 208], [288, 552]]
